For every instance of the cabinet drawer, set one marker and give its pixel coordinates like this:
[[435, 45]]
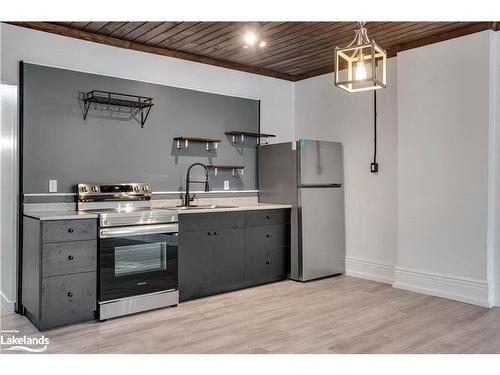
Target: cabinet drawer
[[264, 265], [267, 217], [64, 258], [210, 221], [68, 298], [69, 230], [267, 237]]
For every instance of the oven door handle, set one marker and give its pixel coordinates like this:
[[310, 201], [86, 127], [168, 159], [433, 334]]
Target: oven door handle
[[138, 230]]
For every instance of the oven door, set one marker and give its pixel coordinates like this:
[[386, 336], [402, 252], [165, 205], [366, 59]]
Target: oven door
[[137, 260]]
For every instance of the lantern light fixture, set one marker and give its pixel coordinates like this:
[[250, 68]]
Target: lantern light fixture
[[362, 65]]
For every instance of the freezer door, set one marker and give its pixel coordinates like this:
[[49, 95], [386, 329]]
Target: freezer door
[[322, 225], [320, 163]]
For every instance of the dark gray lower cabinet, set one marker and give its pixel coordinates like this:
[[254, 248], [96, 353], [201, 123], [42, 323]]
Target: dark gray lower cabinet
[[195, 263], [219, 252], [59, 271], [264, 265], [228, 258]]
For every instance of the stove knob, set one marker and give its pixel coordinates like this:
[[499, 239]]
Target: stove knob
[[145, 188], [136, 188], [95, 189], [84, 189]]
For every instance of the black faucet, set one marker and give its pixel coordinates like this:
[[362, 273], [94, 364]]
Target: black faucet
[[187, 198]]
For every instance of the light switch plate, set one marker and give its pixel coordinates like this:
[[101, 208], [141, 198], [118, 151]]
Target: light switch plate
[[52, 186], [226, 184]]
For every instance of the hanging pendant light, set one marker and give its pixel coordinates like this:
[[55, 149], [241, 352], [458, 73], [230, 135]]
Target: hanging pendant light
[[362, 65]]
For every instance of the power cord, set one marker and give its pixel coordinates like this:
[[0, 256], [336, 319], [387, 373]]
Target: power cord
[[374, 164]]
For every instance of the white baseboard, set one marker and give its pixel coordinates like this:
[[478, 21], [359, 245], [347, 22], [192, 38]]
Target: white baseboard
[[367, 269], [7, 306], [461, 289]]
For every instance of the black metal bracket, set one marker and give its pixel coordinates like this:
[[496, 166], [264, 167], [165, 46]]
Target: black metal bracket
[[136, 104]]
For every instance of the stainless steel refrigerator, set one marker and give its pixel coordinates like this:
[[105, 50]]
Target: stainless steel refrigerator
[[309, 175]]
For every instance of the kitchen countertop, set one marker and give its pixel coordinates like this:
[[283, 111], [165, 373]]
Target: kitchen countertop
[[71, 215], [259, 206], [60, 215]]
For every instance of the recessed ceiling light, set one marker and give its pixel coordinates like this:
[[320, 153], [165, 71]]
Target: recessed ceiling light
[[252, 36]]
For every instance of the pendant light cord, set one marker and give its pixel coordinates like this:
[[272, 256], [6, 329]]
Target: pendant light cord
[[374, 164]]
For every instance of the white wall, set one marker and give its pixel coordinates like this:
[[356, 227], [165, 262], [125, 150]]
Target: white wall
[[443, 177], [277, 96], [8, 196], [497, 169], [327, 113]]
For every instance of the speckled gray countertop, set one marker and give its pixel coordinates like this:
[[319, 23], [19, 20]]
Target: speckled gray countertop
[[61, 215], [259, 206], [71, 214]]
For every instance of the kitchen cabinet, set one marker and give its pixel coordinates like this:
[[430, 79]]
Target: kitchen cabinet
[[224, 251], [195, 264], [267, 251], [211, 253], [59, 271], [228, 258]]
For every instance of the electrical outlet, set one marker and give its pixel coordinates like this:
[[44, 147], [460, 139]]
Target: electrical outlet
[[226, 184], [52, 186]]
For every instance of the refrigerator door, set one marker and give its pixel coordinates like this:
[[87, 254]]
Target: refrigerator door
[[322, 231], [320, 163]]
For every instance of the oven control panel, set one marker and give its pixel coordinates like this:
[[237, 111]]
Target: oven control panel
[[105, 192]]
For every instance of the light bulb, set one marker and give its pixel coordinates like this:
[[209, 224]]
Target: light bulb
[[360, 72], [250, 38], [262, 44]]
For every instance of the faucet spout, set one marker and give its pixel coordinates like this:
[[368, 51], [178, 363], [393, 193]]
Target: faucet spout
[[187, 198]]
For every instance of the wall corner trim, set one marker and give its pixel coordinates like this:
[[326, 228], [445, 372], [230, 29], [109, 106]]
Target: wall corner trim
[[370, 270], [472, 291]]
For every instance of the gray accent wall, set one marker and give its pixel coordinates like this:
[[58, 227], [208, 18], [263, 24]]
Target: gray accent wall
[[58, 144]]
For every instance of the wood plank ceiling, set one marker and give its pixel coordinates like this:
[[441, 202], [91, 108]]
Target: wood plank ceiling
[[294, 51]]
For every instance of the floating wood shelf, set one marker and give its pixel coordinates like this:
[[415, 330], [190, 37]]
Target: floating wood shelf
[[235, 168], [239, 136], [183, 142], [117, 101]]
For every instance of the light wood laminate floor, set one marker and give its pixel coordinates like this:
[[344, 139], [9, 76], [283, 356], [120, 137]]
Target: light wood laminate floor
[[333, 315]]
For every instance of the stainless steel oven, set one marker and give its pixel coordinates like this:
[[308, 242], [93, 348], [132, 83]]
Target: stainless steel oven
[[137, 260], [138, 250]]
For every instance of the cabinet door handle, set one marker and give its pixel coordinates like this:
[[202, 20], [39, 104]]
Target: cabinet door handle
[[216, 233], [209, 233], [70, 230], [268, 217], [70, 257], [268, 261], [70, 294], [269, 235]]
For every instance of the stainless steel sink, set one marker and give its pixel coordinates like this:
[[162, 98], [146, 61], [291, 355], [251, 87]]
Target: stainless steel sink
[[204, 206]]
